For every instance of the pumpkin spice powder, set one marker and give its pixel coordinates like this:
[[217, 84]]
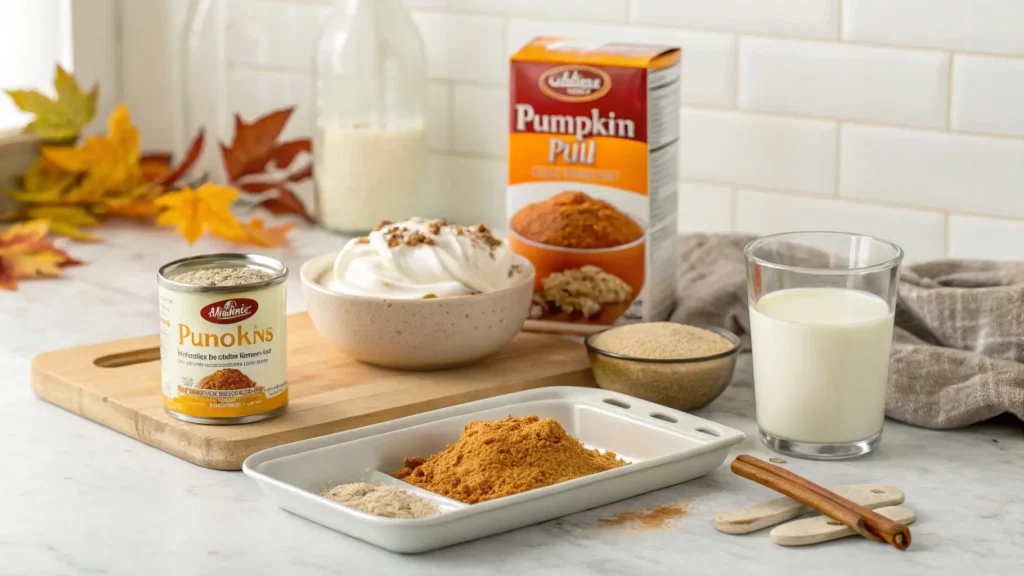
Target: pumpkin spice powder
[[498, 458]]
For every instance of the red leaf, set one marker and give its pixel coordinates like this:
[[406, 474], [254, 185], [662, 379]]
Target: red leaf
[[301, 175], [194, 150], [154, 165], [8, 281], [156, 158], [286, 202], [232, 164], [254, 145], [286, 152], [258, 187]]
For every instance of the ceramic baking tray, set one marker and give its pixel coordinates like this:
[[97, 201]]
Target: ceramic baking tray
[[664, 447]]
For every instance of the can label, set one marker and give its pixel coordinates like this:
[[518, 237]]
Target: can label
[[223, 355]]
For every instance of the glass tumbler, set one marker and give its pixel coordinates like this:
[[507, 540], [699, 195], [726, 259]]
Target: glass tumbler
[[821, 322]]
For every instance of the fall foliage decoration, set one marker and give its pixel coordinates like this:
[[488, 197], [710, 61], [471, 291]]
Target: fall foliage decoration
[[208, 209], [76, 184], [255, 150], [25, 252], [63, 118]]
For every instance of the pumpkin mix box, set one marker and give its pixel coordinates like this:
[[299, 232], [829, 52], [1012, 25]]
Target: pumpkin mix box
[[593, 163]]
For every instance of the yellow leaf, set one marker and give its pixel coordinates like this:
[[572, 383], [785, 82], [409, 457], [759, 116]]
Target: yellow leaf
[[25, 234], [137, 203], [123, 134], [66, 220], [130, 207], [62, 118], [43, 182], [110, 163], [257, 234], [194, 211]]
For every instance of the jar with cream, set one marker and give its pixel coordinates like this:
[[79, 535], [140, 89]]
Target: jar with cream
[[371, 144]]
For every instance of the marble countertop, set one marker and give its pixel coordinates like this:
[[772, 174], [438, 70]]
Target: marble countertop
[[81, 499]]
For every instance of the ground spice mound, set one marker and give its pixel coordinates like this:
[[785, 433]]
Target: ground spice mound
[[387, 501], [662, 341], [496, 458], [575, 220], [223, 277], [226, 379]]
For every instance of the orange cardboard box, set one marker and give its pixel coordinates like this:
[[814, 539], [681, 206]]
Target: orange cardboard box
[[592, 181]]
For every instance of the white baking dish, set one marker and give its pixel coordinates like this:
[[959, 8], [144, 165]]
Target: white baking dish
[[664, 446]]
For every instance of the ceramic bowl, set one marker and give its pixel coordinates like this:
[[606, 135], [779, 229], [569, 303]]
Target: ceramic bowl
[[684, 384], [421, 334]]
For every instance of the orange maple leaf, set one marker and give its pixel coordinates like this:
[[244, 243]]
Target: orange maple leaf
[[195, 211], [25, 252], [110, 163], [255, 145], [257, 234]]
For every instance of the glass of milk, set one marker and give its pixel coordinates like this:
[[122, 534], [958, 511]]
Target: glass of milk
[[821, 322]]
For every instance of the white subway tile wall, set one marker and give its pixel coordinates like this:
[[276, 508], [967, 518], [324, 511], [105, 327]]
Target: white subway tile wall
[[898, 118]]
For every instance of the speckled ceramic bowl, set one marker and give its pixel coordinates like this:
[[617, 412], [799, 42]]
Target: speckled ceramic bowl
[[422, 334]]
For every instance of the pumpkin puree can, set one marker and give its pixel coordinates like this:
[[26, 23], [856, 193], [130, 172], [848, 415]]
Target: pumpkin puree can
[[223, 347]]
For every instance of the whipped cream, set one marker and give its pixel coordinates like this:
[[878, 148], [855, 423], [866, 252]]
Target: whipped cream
[[421, 258]]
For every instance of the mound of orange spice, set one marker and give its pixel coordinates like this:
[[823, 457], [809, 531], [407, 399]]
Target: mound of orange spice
[[495, 458]]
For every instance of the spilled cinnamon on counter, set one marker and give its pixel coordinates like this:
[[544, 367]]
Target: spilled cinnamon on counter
[[496, 458], [647, 519]]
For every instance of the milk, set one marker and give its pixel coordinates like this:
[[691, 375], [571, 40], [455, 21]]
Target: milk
[[821, 363], [366, 174]]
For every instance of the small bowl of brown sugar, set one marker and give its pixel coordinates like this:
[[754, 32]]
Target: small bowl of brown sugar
[[676, 365]]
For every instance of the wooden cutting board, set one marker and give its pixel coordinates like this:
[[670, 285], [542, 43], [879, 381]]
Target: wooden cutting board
[[117, 384]]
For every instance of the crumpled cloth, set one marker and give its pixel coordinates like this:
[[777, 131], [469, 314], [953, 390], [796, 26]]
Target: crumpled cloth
[[958, 345]]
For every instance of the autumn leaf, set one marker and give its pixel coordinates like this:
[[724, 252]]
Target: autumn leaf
[[156, 167], [66, 220], [25, 252], [43, 181], [62, 118], [286, 202], [195, 211], [110, 163], [255, 145], [256, 233]]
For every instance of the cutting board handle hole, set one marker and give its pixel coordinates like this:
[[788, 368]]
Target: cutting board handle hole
[[128, 358], [709, 432], [664, 417], [618, 403]]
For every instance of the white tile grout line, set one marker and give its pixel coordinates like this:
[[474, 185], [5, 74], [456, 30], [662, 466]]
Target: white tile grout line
[[545, 18], [945, 235], [854, 122], [839, 158], [733, 208], [736, 71], [451, 114], [697, 106], [949, 93], [839, 23]]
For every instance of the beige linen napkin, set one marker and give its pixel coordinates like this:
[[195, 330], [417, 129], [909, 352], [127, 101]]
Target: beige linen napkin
[[958, 347]]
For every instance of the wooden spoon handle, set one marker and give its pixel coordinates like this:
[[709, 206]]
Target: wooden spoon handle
[[822, 528], [757, 516]]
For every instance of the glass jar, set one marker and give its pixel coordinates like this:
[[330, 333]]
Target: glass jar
[[370, 131], [203, 84]]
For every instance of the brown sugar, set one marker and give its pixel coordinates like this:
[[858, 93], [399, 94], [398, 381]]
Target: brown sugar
[[496, 458], [227, 379], [575, 220]]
